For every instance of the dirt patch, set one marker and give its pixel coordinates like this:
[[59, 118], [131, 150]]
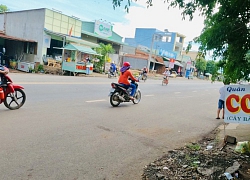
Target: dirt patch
[[202, 160]]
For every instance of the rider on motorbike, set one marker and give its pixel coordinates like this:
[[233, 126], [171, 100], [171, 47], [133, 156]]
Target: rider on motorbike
[[112, 68], [125, 76], [166, 74], [144, 72], [3, 71]]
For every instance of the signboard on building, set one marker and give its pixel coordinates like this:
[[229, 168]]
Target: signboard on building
[[167, 54], [46, 40], [103, 29], [189, 63], [171, 63], [237, 104]]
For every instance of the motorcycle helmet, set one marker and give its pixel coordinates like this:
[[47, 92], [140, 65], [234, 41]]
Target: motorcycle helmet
[[126, 64]]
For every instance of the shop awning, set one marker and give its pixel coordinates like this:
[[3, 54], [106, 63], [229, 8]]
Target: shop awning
[[4, 36], [82, 42], [72, 39], [74, 47], [178, 64]]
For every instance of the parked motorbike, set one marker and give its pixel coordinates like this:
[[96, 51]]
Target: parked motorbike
[[12, 95], [119, 94]]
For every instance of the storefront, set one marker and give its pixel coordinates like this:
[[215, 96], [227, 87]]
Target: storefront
[[77, 59]]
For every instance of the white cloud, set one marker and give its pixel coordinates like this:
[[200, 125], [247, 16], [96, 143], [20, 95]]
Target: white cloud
[[160, 17]]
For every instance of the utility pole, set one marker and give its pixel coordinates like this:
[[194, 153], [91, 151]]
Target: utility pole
[[152, 44], [151, 49]]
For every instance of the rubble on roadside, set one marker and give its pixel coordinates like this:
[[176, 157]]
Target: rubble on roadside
[[203, 160]]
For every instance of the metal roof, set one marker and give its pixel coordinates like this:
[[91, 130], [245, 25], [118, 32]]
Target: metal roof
[[4, 36], [80, 48]]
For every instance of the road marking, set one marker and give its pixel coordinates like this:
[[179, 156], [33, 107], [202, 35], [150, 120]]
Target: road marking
[[100, 100], [150, 95]]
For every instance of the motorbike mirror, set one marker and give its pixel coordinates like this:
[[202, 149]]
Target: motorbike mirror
[[3, 50]]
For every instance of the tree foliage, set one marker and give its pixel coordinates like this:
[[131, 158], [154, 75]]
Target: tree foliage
[[226, 31], [3, 8], [201, 64], [104, 50]]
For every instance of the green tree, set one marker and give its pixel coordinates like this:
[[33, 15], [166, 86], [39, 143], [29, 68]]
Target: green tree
[[104, 50], [3, 8], [200, 64], [211, 66], [226, 31]]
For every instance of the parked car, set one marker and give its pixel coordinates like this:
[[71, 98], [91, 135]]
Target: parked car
[[173, 74]]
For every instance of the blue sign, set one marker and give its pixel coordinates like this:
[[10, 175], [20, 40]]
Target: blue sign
[[168, 54]]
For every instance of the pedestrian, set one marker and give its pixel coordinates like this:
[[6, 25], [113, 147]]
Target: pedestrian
[[221, 102]]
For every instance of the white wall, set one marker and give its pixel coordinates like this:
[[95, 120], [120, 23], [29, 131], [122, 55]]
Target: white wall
[[2, 22], [27, 25]]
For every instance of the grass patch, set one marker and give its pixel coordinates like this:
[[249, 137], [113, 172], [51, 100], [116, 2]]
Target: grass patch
[[194, 147]]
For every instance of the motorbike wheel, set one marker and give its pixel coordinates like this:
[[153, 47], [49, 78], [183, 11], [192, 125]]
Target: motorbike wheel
[[137, 97], [145, 78], [114, 99], [109, 75], [15, 102], [163, 82]]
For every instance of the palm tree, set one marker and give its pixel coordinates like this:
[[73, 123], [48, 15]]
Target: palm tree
[[105, 50]]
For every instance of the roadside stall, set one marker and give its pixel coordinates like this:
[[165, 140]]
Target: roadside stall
[[77, 59]]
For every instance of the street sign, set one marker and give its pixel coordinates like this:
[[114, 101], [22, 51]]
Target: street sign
[[237, 106]]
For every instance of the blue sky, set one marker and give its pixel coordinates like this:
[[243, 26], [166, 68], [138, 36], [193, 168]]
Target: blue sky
[[124, 23]]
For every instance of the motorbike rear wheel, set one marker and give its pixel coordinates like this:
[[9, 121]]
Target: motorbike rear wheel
[[144, 78], [165, 81], [15, 100], [114, 99], [137, 97]]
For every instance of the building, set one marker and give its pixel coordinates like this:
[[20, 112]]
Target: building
[[33, 36], [166, 44]]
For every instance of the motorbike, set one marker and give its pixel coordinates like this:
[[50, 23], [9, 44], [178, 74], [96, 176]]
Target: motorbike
[[143, 77], [111, 74], [119, 94], [165, 80], [12, 95]]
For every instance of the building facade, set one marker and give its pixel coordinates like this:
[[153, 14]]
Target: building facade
[[34, 35], [166, 44]]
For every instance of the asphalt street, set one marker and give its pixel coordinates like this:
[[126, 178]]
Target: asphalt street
[[67, 128]]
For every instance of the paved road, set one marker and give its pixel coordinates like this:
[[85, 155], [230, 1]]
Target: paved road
[[68, 130]]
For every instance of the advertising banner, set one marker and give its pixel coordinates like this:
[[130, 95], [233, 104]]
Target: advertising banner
[[237, 106], [167, 54], [171, 63], [103, 29], [189, 63], [46, 40]]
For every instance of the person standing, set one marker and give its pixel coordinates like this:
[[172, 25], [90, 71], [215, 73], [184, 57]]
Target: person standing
[[221, 102]]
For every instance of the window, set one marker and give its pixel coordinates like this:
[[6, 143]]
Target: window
[[30, 47]]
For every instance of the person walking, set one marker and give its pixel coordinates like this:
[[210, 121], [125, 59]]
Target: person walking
[[221, 102]]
